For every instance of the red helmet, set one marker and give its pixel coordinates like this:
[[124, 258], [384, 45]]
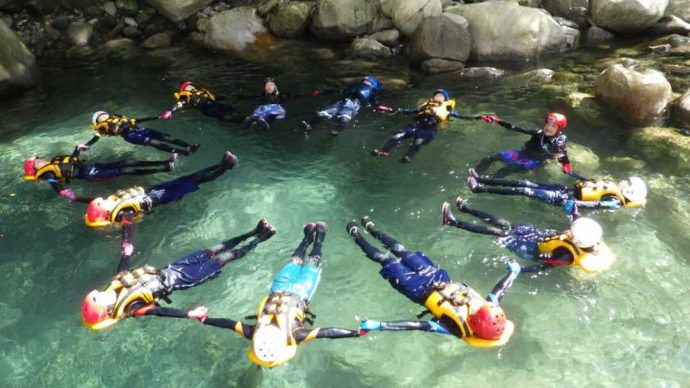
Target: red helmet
[[557, 119], [93, 312], [184, 85], [29, 169], [96, 215], [488, 322]]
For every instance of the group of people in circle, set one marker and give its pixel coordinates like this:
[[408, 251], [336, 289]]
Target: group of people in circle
[[284, 318]]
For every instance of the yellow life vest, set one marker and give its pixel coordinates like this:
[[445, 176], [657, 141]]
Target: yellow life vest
[[113, 125], [440, 110], [134, 198], [62, 166], [457, 302], [138, 285], [192, 98], [283, 311], [596, 190], [599, 259]]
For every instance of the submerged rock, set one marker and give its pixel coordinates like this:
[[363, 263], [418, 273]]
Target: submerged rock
[[290, 20], [537, 76], [370, 48], [158, 40], [494, 26], [178, 10], [17, 64], [663, 147], [637, 97], [445, 36], [482, 72], [341, 20], [627, 16], [438, 65], [234, 30], [596, 35]]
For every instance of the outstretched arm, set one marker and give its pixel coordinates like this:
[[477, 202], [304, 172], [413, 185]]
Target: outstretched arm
[[127, 247], [145, 119], [154, 309], [306, 335], [428, 326], [238, 327], [515, 128], [505, 283]]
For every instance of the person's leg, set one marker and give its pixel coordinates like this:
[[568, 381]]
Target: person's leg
[[370, 251], [486, 163], [236, 254], [327, 113], [392, 244], [345, 114], [220, 112], [300, 252], [449, 219], [394, 141], [486, 217], [422, 137], [210, 173], [233, 242], [321, 230]]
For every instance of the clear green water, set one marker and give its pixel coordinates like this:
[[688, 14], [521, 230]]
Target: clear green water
[[625, 327]]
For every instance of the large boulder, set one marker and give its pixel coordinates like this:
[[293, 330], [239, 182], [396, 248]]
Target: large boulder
[[341, 20], [17, 64], [178, 10], [407, 14], [680, 8], [671, 25], [445, 36], [290, 20], [627, 16], [681, 112], [664, 147], [370, 48], [637, 97], [506, 31], [233, 31], [575, 10], [79, 33]]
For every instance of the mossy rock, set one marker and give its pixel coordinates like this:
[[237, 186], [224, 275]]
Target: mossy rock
[[663, 147]]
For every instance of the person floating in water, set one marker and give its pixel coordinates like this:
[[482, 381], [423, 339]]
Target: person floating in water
[[270, 107], [281, 316], [191, 97], [63, 168], [128, 205], [580, 246], [591, 194], [423, 130], [545, 144], [354, 97], [106, 124], [136, 292], [458, 309]]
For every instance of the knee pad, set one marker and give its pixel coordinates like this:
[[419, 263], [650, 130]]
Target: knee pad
[[398, 247], [324, 115]]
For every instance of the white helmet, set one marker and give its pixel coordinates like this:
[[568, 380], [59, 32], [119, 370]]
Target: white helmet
[[94, 118], [586, 232], [636, 190], [270, 344]]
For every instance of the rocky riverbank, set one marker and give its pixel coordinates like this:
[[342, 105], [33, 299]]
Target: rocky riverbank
[[644, 83]]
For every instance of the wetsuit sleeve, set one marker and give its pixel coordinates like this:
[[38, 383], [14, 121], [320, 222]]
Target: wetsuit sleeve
[[127, 233], [145, 119], [75, 153], [93, 140], [536, 268], [408, 111], [246, 331], [306, 335], [612, 203], [160, 311], [502, 287], [428, 326], [459, 116], [515, 128]]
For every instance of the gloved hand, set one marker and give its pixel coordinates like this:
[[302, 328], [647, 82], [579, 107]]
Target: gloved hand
[[569, 206], [69, 194], [315, 92], [200, 313], [513, 266], [369, 325], [489, 119], [82, 147], [166, 115], [127, 248], [385, 108], [567, 168]]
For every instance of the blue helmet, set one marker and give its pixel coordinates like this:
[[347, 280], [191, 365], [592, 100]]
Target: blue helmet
[[374, 83], [444, 92]]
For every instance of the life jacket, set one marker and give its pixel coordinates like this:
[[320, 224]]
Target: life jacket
[[599, 259], [456, 302], [193, 98], [439, 110], [113, 125], [595, 191], [364, 93], [138, 285], [284, 311], [61, 166], [134, 198]]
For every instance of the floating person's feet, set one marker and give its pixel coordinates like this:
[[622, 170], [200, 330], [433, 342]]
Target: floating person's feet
[[473, 173], [230, 159], [268, 232], [405, 159], [309, 228], [306, 126], [368, 223], [446, 215], [194, 147], [352, 228], [170, 164], [460, 203], [263, 223], [321, 227], [473, 183], [379, 153]]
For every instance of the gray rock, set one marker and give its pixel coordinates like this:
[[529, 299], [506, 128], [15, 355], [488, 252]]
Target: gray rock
[[158, 40], [369, 48], [407, 14], [143, 17], [637, 97], [17, 65], [201, 24], [438, 65], [680, 8], [681, 110], [596, 35], [671, 25], [390, 38], [79, 33], [482, 72], [130, 21], [572, 37], [575, 10], [131, 32], [341, 20], [265, 7], [494, 26], [234, 30], [178, 10], [445, 36], [60, 22], [380, 23], [127, 7], [538, 76], [627, 16], [110, 8], [52, 32], [290, 20]]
